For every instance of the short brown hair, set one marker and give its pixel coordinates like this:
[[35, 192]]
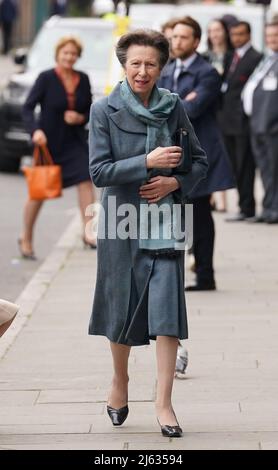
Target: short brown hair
[[66, 40], [188, 21], [169, 24], [143, 37]]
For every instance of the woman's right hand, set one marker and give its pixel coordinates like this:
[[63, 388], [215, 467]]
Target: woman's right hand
[[164, 157], [39, 137]]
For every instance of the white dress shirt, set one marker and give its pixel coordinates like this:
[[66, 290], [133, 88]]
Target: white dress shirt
[[259, 73], [241, 51]]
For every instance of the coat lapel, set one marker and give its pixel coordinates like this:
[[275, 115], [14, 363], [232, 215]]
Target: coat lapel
[[121, 117], [128, 123]]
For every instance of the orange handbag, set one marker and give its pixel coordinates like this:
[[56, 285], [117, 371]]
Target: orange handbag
[[44, 178]]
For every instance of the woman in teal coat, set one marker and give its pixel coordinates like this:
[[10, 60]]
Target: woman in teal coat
[[139, 292]]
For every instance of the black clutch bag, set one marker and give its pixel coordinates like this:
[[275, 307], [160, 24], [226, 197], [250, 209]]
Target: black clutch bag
[[182, 140]]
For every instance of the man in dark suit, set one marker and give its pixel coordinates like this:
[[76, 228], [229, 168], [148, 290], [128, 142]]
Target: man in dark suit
[[234, 122], [260, 100], [198, 84]]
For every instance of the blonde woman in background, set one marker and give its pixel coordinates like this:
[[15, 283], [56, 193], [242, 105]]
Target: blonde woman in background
[[64, 95]]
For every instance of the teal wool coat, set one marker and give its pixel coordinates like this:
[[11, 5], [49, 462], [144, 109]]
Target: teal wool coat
[[137, 296]]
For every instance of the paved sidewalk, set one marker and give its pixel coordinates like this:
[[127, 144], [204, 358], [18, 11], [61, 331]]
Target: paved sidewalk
[[54, 379]]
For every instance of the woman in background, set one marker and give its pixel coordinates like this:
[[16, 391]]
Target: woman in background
[[64, 96], [219, 54], [220, 51]]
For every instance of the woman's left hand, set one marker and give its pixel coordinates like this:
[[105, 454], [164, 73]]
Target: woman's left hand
[[158, 187], [73, 118]]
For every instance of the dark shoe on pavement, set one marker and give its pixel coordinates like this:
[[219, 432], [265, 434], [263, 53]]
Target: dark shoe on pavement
[[170, 431], [119, 416], [201, 287], [30, 255], [236, 218], [255, 220], [271, 220]]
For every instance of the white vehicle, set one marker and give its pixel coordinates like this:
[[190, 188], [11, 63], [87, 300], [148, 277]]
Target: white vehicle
[[97, 38]]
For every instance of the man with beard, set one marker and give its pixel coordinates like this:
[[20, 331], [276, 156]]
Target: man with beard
[[198, 85]]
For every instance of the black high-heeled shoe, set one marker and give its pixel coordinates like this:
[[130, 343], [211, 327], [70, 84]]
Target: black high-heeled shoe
[[170, 431], [26, 255], [119, 416]]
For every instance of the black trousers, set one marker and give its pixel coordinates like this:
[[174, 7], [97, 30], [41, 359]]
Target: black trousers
[[203, 239], [7, 35], [243, 164], [265, 149]]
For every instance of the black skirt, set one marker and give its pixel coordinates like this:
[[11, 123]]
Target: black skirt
[[74, 160]]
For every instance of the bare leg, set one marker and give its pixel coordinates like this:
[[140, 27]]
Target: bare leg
[[166, 352], [118, 396], [31, 211], [212, 200], [223, 198], [86, 196], [220, 200]]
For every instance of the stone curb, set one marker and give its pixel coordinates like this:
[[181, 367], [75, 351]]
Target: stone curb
[[37, 287]]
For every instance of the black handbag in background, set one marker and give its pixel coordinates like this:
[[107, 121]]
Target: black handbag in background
[[182, 140]]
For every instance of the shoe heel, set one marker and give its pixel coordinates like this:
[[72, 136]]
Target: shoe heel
[[30, 256], [170, 431]]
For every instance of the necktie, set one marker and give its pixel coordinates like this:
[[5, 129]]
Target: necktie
[[178, 70], [235, 61]]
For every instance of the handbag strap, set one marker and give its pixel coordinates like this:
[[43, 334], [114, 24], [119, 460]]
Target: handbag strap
[[42, 153]]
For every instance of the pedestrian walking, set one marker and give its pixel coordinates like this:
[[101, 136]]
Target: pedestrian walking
[[8, 14], [260, 98], [198, 85], [64, 95], [139, 291], [8, 311], [234, 122]]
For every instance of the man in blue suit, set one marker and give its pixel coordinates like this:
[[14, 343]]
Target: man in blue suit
[[198, 85]]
